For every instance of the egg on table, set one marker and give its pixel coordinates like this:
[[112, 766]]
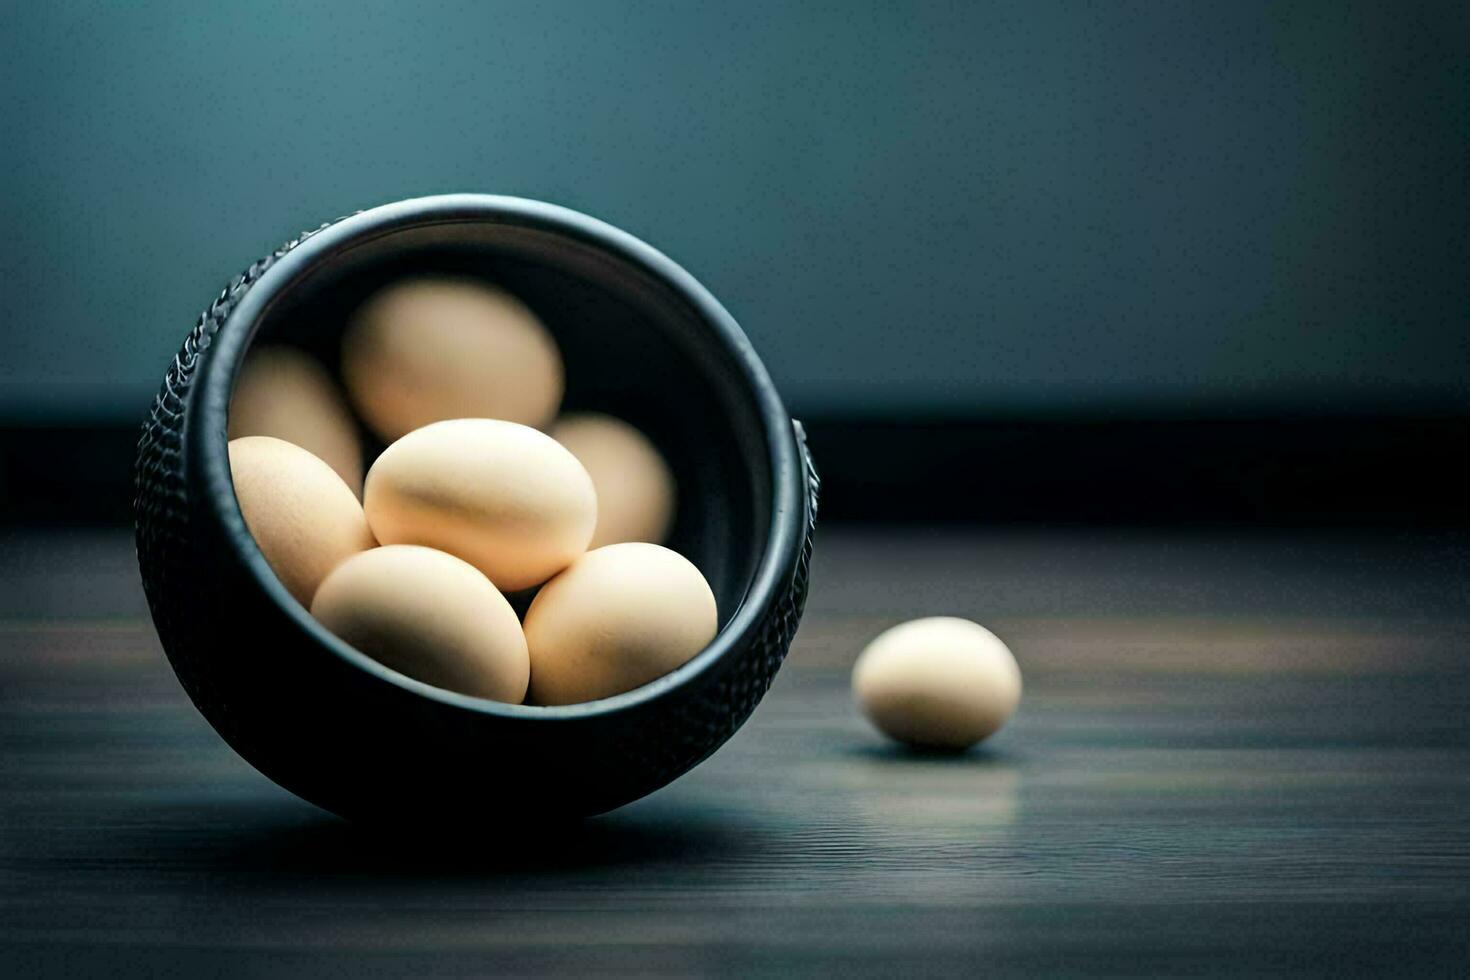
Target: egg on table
[[425, 350], [430, 616], [940, 682], [305, 520], [283, 392], [635, 488], [504, 497], [619, 617]]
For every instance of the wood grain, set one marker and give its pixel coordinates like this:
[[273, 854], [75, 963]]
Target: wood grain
[[1236, 754]]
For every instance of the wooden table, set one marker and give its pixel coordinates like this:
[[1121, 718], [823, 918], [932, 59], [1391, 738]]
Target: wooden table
[[1237, 753]]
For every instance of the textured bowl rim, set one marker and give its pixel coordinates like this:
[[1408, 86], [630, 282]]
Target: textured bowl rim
[[208, 454]]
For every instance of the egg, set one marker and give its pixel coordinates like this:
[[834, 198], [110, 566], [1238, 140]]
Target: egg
[[305, 520], [283, 392], [425, 350], [941, 682], [619, 617], [430, 616], [635, 488], [504, 497]]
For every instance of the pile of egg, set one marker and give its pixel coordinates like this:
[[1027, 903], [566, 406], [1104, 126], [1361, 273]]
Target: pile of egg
[[483, 492]]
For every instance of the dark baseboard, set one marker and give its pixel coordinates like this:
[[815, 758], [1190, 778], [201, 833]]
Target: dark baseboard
[[70, 474], [1297, 471], [1302, 471]]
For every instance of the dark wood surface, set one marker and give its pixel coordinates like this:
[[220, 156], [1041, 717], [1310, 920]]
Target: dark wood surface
[[1237, 753]]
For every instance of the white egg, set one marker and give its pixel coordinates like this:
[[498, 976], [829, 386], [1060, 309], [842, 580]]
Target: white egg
[[425, 350], [284, 393], [635, 488], [305, 520], [619, 617], [504, 497], [941, 682], [428, 615]]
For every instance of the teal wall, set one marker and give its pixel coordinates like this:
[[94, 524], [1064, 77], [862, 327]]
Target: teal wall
[[1032, 207]]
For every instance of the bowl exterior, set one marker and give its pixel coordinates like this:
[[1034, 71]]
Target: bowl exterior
[[364, 746]]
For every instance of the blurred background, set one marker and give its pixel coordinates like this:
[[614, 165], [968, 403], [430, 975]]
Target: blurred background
[[1137, 331], [1047, 261]]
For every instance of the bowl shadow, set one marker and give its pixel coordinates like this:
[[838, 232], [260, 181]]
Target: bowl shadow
[[898, 753], [293, 841]]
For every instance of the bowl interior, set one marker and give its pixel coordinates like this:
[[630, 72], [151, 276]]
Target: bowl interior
[[633, 347]]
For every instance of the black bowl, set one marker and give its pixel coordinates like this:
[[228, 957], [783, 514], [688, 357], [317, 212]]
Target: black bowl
[[641, 339]]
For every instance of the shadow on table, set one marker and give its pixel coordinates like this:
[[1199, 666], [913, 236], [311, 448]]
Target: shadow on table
[[285, 838], [897, 753]]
